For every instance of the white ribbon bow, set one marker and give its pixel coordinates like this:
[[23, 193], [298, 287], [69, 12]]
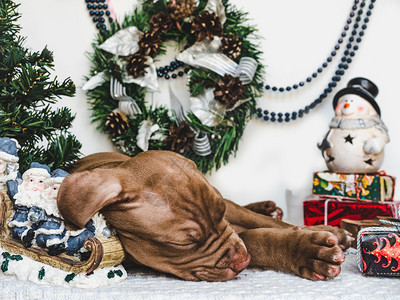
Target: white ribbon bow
[[147, 128], [207, 54], [125, 43]]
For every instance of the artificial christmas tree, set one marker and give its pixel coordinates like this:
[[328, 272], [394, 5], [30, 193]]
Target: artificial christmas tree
[[26, 95]]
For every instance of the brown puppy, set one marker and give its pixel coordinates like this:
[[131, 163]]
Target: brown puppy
[[168, 217]]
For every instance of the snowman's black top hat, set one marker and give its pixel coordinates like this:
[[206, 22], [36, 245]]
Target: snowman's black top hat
[[361, 87]]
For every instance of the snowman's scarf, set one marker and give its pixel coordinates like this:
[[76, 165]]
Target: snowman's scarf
[[374, 121]]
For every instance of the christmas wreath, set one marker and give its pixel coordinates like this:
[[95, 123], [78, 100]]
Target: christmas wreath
[[216, 55]]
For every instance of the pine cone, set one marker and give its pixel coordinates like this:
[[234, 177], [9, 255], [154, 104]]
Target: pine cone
[[231, 46], [180, 138], [149, 43], [161, 22], [136, 65], [207, 25], [116, 123], [228, 90], [181, 9]]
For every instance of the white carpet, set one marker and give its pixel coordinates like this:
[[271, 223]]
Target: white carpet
[[250, 284]]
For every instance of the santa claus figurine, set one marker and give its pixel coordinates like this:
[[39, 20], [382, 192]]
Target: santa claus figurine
[[357, 136], [9, 165], [25, 202]]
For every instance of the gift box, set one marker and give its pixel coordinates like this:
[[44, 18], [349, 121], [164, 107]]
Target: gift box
[[355, 226], [379, 251], [374, 187], [330, 211]]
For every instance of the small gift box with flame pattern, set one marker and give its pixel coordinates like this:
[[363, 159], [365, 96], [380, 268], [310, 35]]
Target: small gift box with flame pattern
[[379, 251]]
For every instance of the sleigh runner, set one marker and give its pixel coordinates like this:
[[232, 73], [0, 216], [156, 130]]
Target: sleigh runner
[[104, 252]]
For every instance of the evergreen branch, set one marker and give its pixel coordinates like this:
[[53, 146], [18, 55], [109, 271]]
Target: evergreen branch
[[201, 79], [62, 151], [8, 26], [138, 19], [26, 90], [28, 154]]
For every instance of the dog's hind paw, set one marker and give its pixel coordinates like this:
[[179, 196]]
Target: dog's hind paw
[[267, 208]]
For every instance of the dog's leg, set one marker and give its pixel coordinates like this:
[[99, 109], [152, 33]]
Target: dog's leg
[[246, 219], [242, 219], [310, 254]]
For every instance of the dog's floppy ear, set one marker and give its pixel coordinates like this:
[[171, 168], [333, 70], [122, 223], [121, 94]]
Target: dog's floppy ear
[[83, 194]]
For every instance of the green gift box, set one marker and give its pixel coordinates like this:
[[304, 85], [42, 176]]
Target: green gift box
[[373, 187]]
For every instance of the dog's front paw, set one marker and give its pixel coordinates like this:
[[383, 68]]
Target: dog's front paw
[[317, 255], [345, 238], [314, 255], [267, 208]]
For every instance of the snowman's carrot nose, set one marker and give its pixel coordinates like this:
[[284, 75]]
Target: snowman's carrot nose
[[346, 105]]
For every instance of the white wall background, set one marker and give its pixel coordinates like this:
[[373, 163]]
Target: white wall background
[[297, 38]]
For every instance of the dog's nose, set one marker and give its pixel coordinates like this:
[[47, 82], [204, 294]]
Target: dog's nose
[[236, 258]]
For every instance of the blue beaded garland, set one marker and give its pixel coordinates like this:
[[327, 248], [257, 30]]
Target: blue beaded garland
[[329, 59], [163, 71], [342, 66], [98, 10]]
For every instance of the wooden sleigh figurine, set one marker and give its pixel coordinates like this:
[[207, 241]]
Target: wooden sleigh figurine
[[104, 252]]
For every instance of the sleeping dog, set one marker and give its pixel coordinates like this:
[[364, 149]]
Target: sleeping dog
[[168, 217]]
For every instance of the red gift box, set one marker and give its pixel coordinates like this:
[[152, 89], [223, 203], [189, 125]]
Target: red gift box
[[330, 211]]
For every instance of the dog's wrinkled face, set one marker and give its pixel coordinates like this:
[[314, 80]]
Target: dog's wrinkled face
[[167, 216], [182, 231]]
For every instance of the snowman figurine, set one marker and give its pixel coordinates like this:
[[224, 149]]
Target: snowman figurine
[[357, 136]]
